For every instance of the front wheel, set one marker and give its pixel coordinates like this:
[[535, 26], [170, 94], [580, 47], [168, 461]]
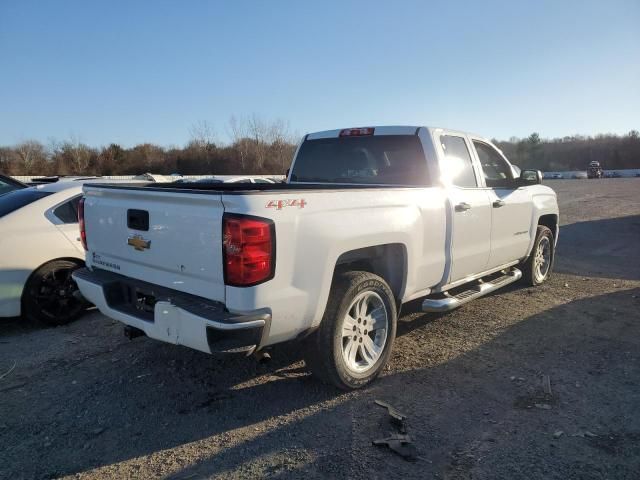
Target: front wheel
[[354, 341], [537, 268]]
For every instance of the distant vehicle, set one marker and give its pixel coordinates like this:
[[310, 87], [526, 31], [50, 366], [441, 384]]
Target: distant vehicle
[[369, 218], [155, 177], [594, 170], [59, 178], [249, 179], [40, 247], [557, 175], [8, 184]]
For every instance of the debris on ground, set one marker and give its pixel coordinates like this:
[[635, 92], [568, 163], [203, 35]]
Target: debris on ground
[[400, 444], [546, 385], [397, 418], [9, 371], [558, 434], [542, 406]]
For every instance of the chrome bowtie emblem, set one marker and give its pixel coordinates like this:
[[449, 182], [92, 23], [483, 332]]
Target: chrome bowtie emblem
[[139, 243]]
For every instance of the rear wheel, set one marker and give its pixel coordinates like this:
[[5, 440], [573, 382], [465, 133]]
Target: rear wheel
[[49, 296], [356, 335], [537, 268]]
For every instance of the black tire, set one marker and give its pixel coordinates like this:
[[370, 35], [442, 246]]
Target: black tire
[[530, 274], [48, 296], [323, 351]]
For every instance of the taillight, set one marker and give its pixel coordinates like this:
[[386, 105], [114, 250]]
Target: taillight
[[83, 231], [357, 132], [248, 249]]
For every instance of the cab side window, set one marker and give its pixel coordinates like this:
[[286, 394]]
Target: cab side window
[[497, 172], [68, 211], [458, 168]]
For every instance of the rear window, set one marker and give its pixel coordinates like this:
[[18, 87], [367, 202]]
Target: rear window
[[68, 211], [12, 201], [7, 185], [384, 160]]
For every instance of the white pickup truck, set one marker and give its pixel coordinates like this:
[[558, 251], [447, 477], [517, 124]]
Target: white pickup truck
[[367, 220]]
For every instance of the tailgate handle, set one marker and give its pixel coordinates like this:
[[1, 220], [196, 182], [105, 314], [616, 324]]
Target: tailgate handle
[[138, 220]]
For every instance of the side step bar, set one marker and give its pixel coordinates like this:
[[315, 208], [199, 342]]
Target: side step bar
[[449, 302]]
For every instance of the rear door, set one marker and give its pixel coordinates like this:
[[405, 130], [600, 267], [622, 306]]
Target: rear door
[[470, 210], [511, 206], [173, 239]]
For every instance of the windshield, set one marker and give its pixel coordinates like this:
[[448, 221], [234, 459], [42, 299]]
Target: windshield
[[382, 160], [16, 199]]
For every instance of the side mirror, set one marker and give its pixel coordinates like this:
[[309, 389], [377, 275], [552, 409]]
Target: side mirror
[[530, 177]]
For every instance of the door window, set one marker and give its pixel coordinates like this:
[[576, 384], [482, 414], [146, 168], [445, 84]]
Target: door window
[[458, 168], [497, 172]]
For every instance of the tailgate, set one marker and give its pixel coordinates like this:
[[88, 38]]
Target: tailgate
[[172, 239]]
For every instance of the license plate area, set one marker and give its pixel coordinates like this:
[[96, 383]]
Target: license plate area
[[131, 299]]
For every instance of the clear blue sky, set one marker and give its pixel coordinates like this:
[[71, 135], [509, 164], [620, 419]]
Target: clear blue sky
[[135, 71]]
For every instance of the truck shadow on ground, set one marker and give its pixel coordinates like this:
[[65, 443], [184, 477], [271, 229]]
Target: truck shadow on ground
[[233, 417], [601, 248], [486, 403]]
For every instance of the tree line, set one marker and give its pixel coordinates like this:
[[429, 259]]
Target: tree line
[[614, 152], [267, 147], [256, 147]]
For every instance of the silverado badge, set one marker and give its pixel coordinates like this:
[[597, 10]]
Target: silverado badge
[[139, 243]]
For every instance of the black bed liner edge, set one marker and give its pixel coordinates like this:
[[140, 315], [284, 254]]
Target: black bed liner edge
[[254, 189]]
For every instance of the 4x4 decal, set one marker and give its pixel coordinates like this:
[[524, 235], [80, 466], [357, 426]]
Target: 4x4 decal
[[280, 204]]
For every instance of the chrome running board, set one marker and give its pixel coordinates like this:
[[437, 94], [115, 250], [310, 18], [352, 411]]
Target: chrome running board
[[479, 289]]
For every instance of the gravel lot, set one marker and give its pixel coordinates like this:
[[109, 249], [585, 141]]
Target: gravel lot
[[83, 401]]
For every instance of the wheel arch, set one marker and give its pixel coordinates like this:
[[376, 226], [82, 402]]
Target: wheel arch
[[388, 261], [550, 220], [75, 260]]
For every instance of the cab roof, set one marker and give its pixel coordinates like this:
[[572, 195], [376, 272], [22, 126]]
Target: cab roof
[[383, 130]]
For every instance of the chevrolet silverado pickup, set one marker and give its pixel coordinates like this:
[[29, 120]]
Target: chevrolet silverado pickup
[[367, 220]]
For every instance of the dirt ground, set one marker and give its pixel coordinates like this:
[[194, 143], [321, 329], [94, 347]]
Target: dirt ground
[[85, 402]]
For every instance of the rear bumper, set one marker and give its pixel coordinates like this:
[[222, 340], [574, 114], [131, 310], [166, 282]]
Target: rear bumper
[[173, 316]]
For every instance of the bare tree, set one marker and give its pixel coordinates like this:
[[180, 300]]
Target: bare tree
[[29, 153], [202, 134], [238, 136], [78, 154], [281, 140]]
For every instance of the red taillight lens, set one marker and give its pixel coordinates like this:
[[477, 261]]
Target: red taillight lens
[[83, 231], [248, 250], [357, 132]]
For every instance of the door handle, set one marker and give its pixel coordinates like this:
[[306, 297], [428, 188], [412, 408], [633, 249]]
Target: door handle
[[462, 207], [498, 204]]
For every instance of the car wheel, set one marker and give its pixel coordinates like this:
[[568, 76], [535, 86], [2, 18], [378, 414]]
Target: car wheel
[[49, 295], [355, 337], [537, 268]]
